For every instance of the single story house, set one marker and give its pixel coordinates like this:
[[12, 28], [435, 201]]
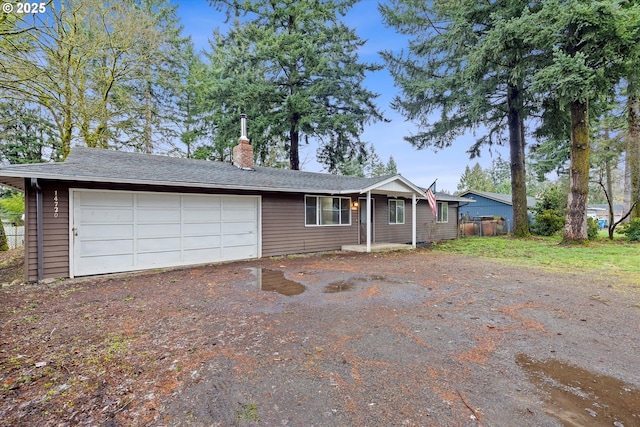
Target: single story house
[[103, 211], [600, 212], [491, 204]]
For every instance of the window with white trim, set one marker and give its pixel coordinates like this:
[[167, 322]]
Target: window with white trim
[[321, 210], [396, 211], [443, 212]]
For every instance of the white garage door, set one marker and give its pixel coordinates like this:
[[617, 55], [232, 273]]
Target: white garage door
[[115, 231]]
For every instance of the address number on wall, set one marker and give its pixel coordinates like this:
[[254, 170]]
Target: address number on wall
[[55, 203]]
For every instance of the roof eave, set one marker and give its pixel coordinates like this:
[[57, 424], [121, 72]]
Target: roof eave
[[188, 184]]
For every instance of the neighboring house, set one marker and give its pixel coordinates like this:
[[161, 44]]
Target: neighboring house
[[600, 212], [491, 204], [105, 211]]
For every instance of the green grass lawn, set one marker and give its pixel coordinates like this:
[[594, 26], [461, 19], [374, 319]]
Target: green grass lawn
[[618, 258]]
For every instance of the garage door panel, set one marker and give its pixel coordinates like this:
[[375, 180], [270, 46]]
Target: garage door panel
[[238, 215], [231, 240], [239, 252], [148, 216], [201, 228], [163, 259], [113, 231], [105, 199], [102, 264], [200, 255], [104, 215], [158, 244], [158, 230], [93, 248], [201, 242], [157, 201], [230, 202], [208, 202], [123, 231], [193, 215], [239, 227]]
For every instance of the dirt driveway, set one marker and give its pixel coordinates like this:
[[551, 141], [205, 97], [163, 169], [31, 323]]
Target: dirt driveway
[[398, 339]]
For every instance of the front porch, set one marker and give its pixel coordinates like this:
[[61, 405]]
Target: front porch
[[377, 247]]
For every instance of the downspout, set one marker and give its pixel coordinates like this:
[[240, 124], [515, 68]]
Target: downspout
[[414, 220], [368, 221], [39, 224]]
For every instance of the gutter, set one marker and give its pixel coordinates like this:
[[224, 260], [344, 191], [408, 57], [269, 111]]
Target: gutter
[[39, 225], [188, 184]]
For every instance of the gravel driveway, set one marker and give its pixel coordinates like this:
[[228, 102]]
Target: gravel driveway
[[416, 338]]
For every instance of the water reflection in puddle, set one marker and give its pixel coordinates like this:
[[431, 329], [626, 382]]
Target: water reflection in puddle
[[341, 286], [578, 397], [274, 281]]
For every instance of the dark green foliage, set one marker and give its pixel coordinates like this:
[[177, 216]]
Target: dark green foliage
[[631, 230], [592, 228], [293, 68], [548, 218], [12, 207], [26, 136], [547, 222], [466, 67], [4, 245]]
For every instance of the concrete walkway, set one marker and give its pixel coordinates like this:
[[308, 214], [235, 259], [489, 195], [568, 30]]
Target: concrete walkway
[[377, 247]]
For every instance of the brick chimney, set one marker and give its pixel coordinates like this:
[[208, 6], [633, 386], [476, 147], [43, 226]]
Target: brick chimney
[[243, 152]]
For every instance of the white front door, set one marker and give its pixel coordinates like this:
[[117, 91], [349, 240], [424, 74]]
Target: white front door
[[362, 207]]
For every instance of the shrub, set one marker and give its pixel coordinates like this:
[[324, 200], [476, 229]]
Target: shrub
[[548, 214], [592, 228], [547, 222], [631, 230]]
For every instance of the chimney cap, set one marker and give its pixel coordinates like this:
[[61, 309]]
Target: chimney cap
[[243, 126]]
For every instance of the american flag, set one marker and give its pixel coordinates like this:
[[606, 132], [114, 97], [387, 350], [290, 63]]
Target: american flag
[[431, 198]]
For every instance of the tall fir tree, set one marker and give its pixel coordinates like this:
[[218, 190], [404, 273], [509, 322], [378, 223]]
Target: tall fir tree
[[293, 68], [589, 44], [465, 68]]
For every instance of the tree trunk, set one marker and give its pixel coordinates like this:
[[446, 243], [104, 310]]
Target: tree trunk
[[609, 187], [633, 141], [148, 116], [518, 173], [294, 155], [575, 228]]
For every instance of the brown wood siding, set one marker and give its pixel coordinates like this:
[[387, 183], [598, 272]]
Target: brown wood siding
[[55, 231], [284, 231], [392, 233], [429, 230]]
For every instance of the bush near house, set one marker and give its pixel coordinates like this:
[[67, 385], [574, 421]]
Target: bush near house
[[592, 228], [631, 230], [549, 212]]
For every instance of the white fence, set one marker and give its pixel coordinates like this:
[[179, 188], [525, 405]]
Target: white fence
[[15, 235]]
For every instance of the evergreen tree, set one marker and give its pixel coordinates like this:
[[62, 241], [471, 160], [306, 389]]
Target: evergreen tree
[[293, 68], [466, 64], [25, 134], [476, 179], [589, 44]]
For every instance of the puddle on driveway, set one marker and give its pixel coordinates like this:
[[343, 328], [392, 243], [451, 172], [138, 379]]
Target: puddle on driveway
[[340, 286], [578, 397], [274, 281]]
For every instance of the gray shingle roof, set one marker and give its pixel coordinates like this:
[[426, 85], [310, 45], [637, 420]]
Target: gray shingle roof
[[504, 198], [97, 165]]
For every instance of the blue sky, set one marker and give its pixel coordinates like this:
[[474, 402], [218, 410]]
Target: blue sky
[[421, 167]]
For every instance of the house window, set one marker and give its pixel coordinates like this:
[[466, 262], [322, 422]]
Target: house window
[[443, 212], [396, 211], [327, 210]]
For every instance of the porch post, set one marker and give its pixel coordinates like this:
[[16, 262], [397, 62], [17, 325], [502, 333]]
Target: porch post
[[369, 221], [414, 219]]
